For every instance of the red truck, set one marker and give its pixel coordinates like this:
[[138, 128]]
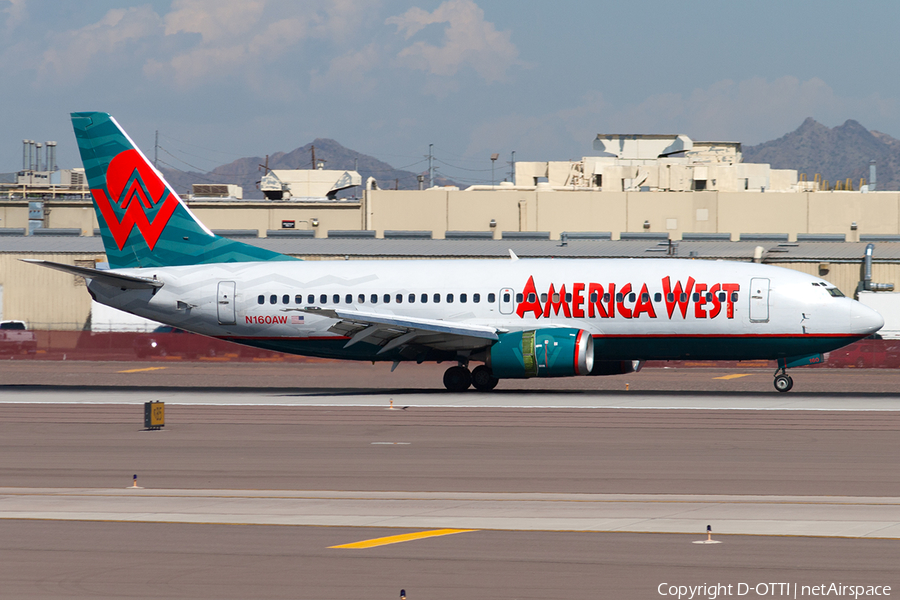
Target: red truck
[[16, 339]]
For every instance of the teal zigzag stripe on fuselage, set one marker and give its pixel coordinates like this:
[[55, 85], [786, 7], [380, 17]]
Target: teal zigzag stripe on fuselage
[[183, 240]]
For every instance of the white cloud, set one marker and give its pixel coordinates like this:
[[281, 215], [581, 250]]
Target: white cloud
[[15, 14], [349, 70], [71, 55], [469, 40]]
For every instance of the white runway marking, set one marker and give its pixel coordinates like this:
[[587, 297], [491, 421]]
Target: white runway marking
[[829, 516], [634, 400]]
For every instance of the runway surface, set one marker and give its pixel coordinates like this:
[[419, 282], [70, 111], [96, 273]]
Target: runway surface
[[568, 492]]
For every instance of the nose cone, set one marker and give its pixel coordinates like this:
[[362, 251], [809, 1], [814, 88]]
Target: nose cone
[[864, 320]]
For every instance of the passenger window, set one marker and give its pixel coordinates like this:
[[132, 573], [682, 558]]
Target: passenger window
[[463, 298], [492, 298], [606, 297], [323, 299], [361, 298], [399, 298], [645, 297], [506, 297], [424, 298], [373, 298], [387, 298], [532, 297], [412, 298], [348, 299], [734, 296], [696, 297], [544, 298], [568, 297], [273, 299], [437, 298], [722, 296], [285, 299], [619, 297], [261, 299], [684, 297], [476, 298], [657, 297], [519, 297], [632, 297], [449, 298], [594, 297], [670, 297], [298, 299], [555, 298], [709, 297], [336, 298]]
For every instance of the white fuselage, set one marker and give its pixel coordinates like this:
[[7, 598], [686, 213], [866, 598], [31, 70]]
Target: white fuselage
[[634, 308]]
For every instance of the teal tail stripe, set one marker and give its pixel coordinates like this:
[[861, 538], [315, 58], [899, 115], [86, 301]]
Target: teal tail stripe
[[142, 220]]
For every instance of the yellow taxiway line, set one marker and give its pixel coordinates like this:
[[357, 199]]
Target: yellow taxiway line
[[141, 370], [734, 376], [406, 537]]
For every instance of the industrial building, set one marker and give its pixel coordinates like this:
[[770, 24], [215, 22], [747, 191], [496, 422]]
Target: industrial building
[[643, 196]]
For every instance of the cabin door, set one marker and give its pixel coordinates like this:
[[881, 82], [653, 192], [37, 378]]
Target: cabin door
[[225, 302], [759, 300]]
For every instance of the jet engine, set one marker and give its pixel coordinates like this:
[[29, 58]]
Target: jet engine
[[542, 353], [616, 367]]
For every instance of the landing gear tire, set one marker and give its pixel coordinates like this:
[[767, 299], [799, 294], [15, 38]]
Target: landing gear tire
[[483, 379], [784, 383], [457, 379]]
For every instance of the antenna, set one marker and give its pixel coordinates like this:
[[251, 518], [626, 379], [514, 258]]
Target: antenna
[[312, 149], [430, 165], [156, 151]]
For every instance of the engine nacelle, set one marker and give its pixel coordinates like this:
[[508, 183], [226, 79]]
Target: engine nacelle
[[542, 353], [616, 367]]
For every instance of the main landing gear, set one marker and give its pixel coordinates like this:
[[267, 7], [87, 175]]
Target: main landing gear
[[783, 381], [458, 379]]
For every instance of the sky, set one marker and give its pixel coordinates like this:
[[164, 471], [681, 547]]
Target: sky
[[223, 79]]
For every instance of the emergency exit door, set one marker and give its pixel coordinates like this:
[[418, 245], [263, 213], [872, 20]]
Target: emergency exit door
[[759, 300], [507, 301], [225, 302]]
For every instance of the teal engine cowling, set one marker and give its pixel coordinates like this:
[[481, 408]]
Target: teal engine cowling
[[542, 353]]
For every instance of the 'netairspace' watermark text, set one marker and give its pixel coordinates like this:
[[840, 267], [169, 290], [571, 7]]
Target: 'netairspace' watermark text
[[780, 589]]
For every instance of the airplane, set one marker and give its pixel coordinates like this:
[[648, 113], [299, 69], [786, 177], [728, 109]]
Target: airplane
[[515, 318]]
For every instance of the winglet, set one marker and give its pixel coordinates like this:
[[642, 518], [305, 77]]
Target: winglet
[[512, 255]]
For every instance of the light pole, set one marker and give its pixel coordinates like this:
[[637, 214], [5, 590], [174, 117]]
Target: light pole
[[494, 158]]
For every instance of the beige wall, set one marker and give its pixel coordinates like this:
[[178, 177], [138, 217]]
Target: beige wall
[[45, 298], [437, 211]]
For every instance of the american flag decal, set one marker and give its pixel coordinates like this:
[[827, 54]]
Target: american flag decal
[[296, 320]]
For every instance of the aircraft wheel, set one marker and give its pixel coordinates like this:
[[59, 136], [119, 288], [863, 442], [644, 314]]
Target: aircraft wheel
[[483, 379], [457, 379], [784, 383]]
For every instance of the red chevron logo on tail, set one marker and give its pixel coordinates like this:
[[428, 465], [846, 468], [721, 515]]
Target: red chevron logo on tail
[[144, 193]]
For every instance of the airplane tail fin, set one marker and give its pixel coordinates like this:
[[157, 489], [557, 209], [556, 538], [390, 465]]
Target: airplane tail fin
[[142, 220]]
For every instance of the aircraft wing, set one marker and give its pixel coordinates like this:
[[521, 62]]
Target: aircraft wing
[[112, 278], [390, 331]]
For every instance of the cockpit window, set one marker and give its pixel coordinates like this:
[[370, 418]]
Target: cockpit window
[[835, 292]]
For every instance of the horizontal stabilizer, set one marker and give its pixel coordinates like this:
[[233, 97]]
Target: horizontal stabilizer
[[107, 277]]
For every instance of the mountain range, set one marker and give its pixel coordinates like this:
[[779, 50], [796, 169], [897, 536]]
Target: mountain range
[[835, 153], [246, 172]]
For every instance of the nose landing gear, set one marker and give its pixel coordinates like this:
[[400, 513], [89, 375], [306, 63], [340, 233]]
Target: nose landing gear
[[783, 381]]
